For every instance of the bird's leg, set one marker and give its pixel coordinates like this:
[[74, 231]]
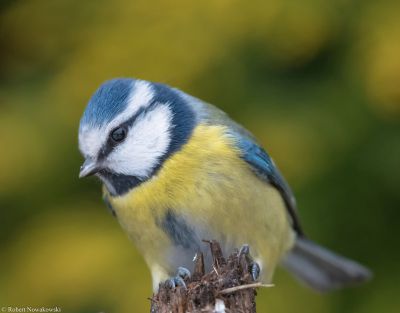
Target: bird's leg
[[179, 280], [254, 267]]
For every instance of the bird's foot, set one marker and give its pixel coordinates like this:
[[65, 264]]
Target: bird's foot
[[179, 280], [254, 268]]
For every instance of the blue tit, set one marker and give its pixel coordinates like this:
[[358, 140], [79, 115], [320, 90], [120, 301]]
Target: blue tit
[[177, 171]]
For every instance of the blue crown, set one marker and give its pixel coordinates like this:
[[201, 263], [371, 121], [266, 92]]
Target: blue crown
[[108, 101]]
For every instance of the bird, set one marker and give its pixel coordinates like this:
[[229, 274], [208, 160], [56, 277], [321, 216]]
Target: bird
[[177, 170]]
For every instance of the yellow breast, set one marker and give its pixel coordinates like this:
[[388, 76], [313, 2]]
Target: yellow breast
[[216, 193]]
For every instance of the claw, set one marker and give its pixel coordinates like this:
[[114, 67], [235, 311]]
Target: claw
[[170, 283], [179, 279], [245, 249], [174, 282], [255, 270], [180, 282], [183, 273]]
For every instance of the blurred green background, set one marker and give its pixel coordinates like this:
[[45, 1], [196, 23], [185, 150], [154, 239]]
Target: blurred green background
[[318, 82]]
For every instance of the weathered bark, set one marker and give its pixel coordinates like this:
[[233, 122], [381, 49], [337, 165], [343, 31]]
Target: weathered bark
[[228, 287]]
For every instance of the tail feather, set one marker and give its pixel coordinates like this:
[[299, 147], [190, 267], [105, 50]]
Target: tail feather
[[322, 269]]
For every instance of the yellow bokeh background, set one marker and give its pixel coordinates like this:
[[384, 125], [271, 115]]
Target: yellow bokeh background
[[318, 82]]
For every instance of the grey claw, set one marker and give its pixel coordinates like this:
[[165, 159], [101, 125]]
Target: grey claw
[[179, 282], [183, 273], [255, 270], [170, 283], [174, 282], [245, 249]]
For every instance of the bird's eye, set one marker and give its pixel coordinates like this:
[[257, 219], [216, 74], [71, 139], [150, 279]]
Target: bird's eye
[[118, 134]]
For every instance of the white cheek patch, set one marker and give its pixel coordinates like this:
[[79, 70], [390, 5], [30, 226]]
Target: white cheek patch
[[92, 139], [147, 141]]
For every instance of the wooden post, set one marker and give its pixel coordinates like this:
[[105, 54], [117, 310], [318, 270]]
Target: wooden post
[[227, 288]]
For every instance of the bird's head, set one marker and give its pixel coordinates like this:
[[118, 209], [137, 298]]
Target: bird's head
[[129, 128]]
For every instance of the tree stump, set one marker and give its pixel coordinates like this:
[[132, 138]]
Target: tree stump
[[229, 287]]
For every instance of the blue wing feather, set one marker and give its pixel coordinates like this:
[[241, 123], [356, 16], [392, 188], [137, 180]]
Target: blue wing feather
[[265, 168]]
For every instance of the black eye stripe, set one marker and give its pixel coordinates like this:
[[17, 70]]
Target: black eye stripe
[[110, 144]]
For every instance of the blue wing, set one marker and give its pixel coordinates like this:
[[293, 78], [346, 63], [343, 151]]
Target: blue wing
[[264, 167]]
